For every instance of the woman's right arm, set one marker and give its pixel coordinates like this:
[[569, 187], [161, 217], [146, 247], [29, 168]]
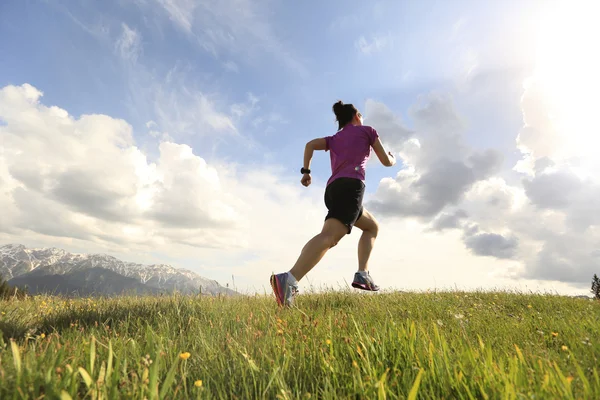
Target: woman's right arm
[[386, 159]]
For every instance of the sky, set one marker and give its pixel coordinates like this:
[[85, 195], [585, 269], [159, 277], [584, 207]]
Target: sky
[[172, 131]]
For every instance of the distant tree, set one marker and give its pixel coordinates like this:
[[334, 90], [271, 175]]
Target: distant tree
[[596, 287], [8, 292]]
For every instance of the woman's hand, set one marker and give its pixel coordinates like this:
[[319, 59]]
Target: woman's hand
[[306, 180], [392, 158]]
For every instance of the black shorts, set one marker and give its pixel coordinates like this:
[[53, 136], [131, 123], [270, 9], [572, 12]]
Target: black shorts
[[343, 198]]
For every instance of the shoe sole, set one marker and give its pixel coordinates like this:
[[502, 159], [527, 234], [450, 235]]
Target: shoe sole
[[363, 287], [275, 287]]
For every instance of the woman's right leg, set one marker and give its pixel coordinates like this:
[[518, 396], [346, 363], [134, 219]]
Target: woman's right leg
[[285, 285], [368, 224], [362, 278], [333, 230]]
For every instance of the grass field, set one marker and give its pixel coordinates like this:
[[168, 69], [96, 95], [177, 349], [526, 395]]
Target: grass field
[[449, 345]]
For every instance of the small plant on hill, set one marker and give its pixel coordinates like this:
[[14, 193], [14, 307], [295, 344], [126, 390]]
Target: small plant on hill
[[8, 292], [596, 287]]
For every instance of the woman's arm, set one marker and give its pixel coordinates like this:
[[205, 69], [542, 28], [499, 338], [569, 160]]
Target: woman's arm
[[315, 144], [386, 159], [309, 149]]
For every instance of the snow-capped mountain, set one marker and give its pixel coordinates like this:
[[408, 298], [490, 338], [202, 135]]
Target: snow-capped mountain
[[17, 261]]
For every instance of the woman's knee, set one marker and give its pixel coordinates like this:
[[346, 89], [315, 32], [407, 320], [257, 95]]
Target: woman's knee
[[373, 229], [368, 224], [330, 239]]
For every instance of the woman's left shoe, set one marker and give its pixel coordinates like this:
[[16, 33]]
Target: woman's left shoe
[[364, 282]]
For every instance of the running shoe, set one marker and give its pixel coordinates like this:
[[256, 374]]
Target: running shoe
[[364, 282], [284, 291]]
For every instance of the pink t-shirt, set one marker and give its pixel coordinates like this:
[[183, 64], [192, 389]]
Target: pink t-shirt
[[350, 149]]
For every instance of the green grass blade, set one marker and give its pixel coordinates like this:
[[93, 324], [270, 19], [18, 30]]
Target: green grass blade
[[412, 395], [65, 396], [109, 363], [166, 384], [86, 377], [92, 354], [16, 359], [153, 381]]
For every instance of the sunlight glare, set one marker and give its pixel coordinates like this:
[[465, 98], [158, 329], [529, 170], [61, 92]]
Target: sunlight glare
[[568, 72]]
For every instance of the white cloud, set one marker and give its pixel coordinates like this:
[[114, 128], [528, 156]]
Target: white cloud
[[389, 126], [184, 101], [250, 106], [229, 28], [492, 244], [177, 104], [84, 177], [178, 101], [181, 12], [7, 185], [181, 110], [97, 29], [376, 44], [129, 45], [438, 167], [548, 225], [193, 196]]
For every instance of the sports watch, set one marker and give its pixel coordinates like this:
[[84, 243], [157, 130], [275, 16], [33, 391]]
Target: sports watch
[[304, 171]]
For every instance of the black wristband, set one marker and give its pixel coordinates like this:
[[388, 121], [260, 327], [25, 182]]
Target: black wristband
[[304, 171]]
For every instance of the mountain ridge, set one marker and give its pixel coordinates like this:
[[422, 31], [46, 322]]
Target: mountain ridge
[[90, 282], [18, 261]]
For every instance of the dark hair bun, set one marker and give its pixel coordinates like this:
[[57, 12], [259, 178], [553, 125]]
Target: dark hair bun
[[344, 113], [338, 108]]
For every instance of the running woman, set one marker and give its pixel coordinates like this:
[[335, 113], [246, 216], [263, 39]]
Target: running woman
[[349, 149]]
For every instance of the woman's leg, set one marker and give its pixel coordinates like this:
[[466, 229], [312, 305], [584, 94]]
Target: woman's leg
[[368, 224], [333, 230]]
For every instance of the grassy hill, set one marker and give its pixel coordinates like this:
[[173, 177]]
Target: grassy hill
[[336, 345]]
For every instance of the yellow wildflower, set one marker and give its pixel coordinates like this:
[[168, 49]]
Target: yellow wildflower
[[570, 379], [328, 341], [184, 356], [528, 305], [280, 331], [43, 335], [554, 334], [565, 348], [198, 383]]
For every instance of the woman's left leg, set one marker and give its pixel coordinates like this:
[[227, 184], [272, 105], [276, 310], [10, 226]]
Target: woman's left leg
[[333, 230]]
